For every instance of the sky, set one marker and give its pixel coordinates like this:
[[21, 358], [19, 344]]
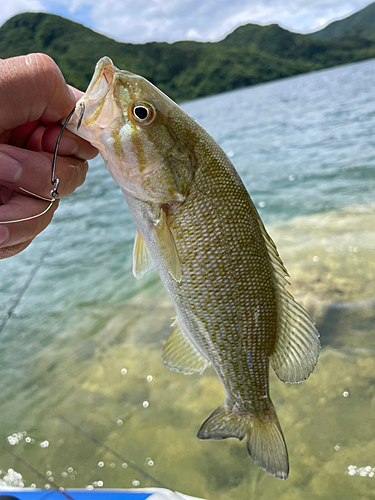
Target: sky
[[140, 21]]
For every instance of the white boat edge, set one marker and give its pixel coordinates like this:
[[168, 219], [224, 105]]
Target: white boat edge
[[157, 493]]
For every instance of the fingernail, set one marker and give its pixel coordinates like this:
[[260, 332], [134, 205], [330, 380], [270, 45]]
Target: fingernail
[[4, 234], [68, 146], [10, 168]]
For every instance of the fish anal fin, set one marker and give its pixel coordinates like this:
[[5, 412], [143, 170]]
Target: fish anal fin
[[142, 261], [265, 440], [297, 344], [167, 246], [180, 355]]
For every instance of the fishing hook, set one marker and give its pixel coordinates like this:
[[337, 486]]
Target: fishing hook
[[81, 115], [55, 182]]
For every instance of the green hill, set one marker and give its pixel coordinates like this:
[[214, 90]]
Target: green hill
[[276, 41], [184, 70], [361, 24]]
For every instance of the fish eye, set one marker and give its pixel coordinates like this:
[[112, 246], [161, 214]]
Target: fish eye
[[143, 113]]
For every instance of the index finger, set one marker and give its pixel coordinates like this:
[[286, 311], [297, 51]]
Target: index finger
[[32, 88]]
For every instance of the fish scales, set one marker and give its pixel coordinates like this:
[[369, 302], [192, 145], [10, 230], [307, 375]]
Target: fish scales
[[197, 224], [225, 266]]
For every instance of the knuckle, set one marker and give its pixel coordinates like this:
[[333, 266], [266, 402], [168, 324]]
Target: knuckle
[[84, 169], [43, 61], [78, 174], [46, 72], [82, 172]]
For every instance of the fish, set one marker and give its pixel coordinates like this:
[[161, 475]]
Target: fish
[[197, 225]]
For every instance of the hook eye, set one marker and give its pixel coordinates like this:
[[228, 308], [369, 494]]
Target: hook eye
[[54, 193]]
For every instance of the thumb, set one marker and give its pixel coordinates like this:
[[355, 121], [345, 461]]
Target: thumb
[[32, 88]]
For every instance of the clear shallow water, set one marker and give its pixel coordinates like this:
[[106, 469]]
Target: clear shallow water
[[305, 149]]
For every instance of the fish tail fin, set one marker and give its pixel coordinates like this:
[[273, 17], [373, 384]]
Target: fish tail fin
[[267, 448], [265, 440]]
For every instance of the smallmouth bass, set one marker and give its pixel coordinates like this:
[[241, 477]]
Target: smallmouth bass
[[198, 226]]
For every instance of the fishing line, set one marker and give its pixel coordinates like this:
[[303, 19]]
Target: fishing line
[[32, 216], [37, 473], [26, 285], [117, 455], [54, 196], [114, 453]]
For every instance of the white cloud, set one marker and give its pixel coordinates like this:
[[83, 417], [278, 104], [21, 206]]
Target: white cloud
[[10, 9], [170, 20], [140, 21]]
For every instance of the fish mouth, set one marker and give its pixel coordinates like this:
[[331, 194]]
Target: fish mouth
[[97, 105], [102, 79]]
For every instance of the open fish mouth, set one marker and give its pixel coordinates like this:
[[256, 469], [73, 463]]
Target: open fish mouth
[[102, 79], [97, 106]]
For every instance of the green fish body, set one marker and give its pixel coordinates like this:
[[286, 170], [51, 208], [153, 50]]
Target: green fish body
[[198, 226]]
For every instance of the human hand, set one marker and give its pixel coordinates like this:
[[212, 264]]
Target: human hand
[[33, 99]]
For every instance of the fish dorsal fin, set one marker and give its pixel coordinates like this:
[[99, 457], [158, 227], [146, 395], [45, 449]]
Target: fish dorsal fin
[[142, 262], [280, 272], [180, 355], [297, 344], [167, 246]]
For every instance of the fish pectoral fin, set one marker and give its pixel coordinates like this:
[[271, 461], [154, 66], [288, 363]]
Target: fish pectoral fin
[[142, 261], [179, 354], [167, 246], [297, 344], [265, 440]]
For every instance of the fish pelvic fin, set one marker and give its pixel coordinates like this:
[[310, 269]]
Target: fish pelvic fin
[[297, 345], [265, 441], [142, 261]]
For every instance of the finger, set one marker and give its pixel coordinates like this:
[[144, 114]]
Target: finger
[[20, 135], [5, 195], [13, 250], [21, 207], [32, 88], [38, 137], [45, 139], [77, 93], [31, 170]]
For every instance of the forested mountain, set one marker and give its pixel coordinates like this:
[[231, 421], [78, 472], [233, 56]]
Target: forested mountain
[[361, 24], [184, 70]]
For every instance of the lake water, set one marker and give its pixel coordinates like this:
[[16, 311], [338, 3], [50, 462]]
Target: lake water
[[85, 341]]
